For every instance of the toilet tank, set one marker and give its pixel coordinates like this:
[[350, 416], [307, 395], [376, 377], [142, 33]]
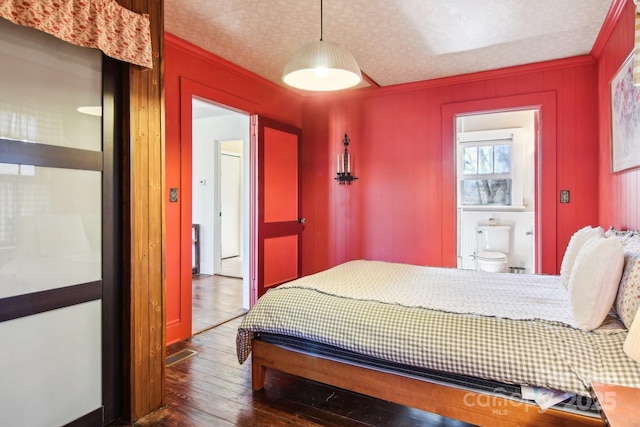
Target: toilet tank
[[493, 238]]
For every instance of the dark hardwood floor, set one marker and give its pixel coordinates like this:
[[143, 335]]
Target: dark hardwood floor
[[212, 389], [215, 299], [209, 388]]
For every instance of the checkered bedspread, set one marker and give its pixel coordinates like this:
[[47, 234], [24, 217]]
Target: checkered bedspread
[[541, 353]]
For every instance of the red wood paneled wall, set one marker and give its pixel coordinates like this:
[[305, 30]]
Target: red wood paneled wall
[[191, 71], [619, 202], [402, 208]]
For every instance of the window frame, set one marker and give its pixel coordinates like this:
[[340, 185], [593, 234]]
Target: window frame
[[511, 137]]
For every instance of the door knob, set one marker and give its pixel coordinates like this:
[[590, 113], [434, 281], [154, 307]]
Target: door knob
[[302, 220]]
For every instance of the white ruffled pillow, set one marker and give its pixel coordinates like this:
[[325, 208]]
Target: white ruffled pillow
[[573, 248], [594, 280]]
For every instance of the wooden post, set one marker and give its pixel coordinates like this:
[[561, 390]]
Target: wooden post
[[144, 317]]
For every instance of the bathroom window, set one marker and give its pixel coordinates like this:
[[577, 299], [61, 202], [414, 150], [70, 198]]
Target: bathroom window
[[490, 168], [486, 192], [486, 160], [486, 174]]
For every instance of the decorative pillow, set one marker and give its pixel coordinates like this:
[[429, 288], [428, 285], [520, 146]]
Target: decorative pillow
[[573, 248], [612, 231], [594, 280], [623, 235], [61, 235], [632, 243], [628, 297]]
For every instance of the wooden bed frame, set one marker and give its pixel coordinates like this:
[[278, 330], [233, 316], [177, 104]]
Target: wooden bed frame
[[472, 407]]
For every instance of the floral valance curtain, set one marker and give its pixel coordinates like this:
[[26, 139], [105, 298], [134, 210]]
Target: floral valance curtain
[[102, 24]]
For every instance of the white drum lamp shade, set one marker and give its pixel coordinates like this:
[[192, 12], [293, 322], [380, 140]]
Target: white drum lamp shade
[[322, 66]]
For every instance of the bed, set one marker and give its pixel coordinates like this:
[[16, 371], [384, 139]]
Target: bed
[[460, 343]]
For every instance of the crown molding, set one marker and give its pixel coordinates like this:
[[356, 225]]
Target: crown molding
[[610, 22], [519, 70], [217, 61]]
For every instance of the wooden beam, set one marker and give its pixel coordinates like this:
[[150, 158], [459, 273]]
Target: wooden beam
[[144, 215]]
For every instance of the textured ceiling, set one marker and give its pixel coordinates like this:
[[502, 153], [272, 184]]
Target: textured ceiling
[[394, 41]]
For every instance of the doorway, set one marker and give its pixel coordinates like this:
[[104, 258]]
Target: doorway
[[496, 184], [220, 209]]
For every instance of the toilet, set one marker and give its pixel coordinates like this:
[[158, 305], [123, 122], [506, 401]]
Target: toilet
[[492, 247]]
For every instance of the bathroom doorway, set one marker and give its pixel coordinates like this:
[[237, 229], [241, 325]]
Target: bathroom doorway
[[496, 183], [220, 209]]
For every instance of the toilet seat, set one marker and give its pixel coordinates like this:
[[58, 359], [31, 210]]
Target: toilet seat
[[491, 256], [495, 262]]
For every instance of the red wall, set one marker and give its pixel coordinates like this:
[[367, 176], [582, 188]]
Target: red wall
[[619, 202], [402, 208], [190, 71]]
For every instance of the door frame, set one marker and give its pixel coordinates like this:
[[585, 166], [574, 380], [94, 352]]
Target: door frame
[[545, 184], [178, 243], [178, 239]]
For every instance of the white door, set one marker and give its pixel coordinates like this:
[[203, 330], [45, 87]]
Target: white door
[[230, 195]]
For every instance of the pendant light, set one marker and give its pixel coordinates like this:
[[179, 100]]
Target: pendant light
[[322, 66]]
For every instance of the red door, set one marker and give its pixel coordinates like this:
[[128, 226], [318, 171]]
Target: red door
[[278, 222]]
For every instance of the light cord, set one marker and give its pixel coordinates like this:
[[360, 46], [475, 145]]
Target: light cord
[[320, 20]]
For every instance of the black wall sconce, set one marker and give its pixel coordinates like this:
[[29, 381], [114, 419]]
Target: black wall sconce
[[343, 175]]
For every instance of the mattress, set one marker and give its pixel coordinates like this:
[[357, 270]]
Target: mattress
[[367, 307]]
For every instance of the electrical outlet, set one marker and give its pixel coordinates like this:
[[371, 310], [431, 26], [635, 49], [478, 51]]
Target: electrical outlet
[[564, 196]]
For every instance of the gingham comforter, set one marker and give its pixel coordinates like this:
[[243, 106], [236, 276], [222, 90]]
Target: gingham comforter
[[475, 339]]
